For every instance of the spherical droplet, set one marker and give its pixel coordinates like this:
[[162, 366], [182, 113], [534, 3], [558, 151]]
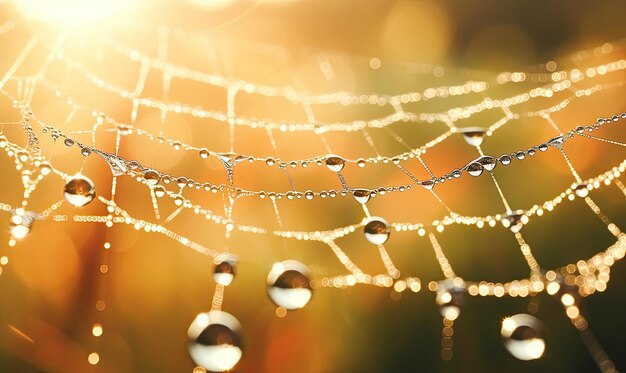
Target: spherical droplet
[[270, 161], [514, 221], [20, 225], [428, 184], [581, 190], [215, 341], [309, 195], [523, 336], [151, 177], [488, 162], [288, 285], [335, 163], [79, 190], [450, 296], [473, 136], [159, 191], [377, 231], [556, 142], [362, 195], [68, 142], [505, 160], [204, 153], [225, 269], [474, 169]]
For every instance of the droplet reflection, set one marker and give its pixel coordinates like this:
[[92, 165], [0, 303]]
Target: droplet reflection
[[215, 341], [288, 285], [523, 336]]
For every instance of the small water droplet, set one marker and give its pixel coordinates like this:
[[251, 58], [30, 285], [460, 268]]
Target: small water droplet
[[289, 285], [21, 224], [488, 162], [473, 136], [505, 160], [335, 163], [85, 151], [514, 221], [225, 269], [450, 297], [557, 142], [79, 190], [159, 191], [520, 155], [428, 184], [581, 190], [360, 163], [204, 153], [214, 341], [377, 231], [523, 336], [270, 161], [362, 195], [474, 169], [531, 152], [543, 147], [456, 173], [151, 177]]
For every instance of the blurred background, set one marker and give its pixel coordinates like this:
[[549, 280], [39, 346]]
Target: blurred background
[[154, 287]]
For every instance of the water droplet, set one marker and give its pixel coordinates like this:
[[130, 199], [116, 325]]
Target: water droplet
[[360, 163], [215, 341], [20, 224], [225, 269], [456, 173], [377, 231], [151, 177], [450, 296], [68, 142], [543, 147], [85, 151], [204, 153], [505, 160], [270, 161], [362, 195], [428, 184], [474, 169], [557, 142], [531, 152], [488, 162], [159, 191], [581, 190], [473, 136], [520, 155], [514, 221], [288, 285], [309, 195], [79, 190], [335, 163], [523, 336]]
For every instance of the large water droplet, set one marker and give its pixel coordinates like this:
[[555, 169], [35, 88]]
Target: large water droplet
[[505, 159], [20, 224], [581, 190], [288, 284], [335, 163], [377, 231], [151, 177], [79, 190], [215, 341], [474, 169], [362, 195], [523, 336], [488, 162], [474, 136], [514, 221], [225, 269], [428, 184], [556, 142], [450, 296]]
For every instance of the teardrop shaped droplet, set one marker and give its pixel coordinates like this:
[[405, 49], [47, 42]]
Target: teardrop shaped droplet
[[473, 136], [204, 153], [79, 190], [505, 160], [214, 341], [514, 221], [581, 190], [377, 231], [362, 195], [428, 184], [522, 335], [288, 285], [450, 297], [20, 224], [488, 162], [556, 142], [474, 169], [225, 269], [151, 177], [335, 163]]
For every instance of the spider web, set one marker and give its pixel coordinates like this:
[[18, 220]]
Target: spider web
[[249, 141]]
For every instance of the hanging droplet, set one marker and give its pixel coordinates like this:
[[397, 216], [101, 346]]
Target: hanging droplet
[[523, 336], [288, 285], [159, 191], [85, 151], [543, 147], [450, 296], [270, 161], [151, 177], [225, 269], [505, 160], [68, 142], [581, 190], [474, 169], [360, 163], [514, 221], [79, 190], [335, 163], [204, 153], [520, 155], [488, 162], [456, 173], [215, 341], [428, 184], [556, 142], [377, 231], [20, 224], [362, 195], [473, 136]]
